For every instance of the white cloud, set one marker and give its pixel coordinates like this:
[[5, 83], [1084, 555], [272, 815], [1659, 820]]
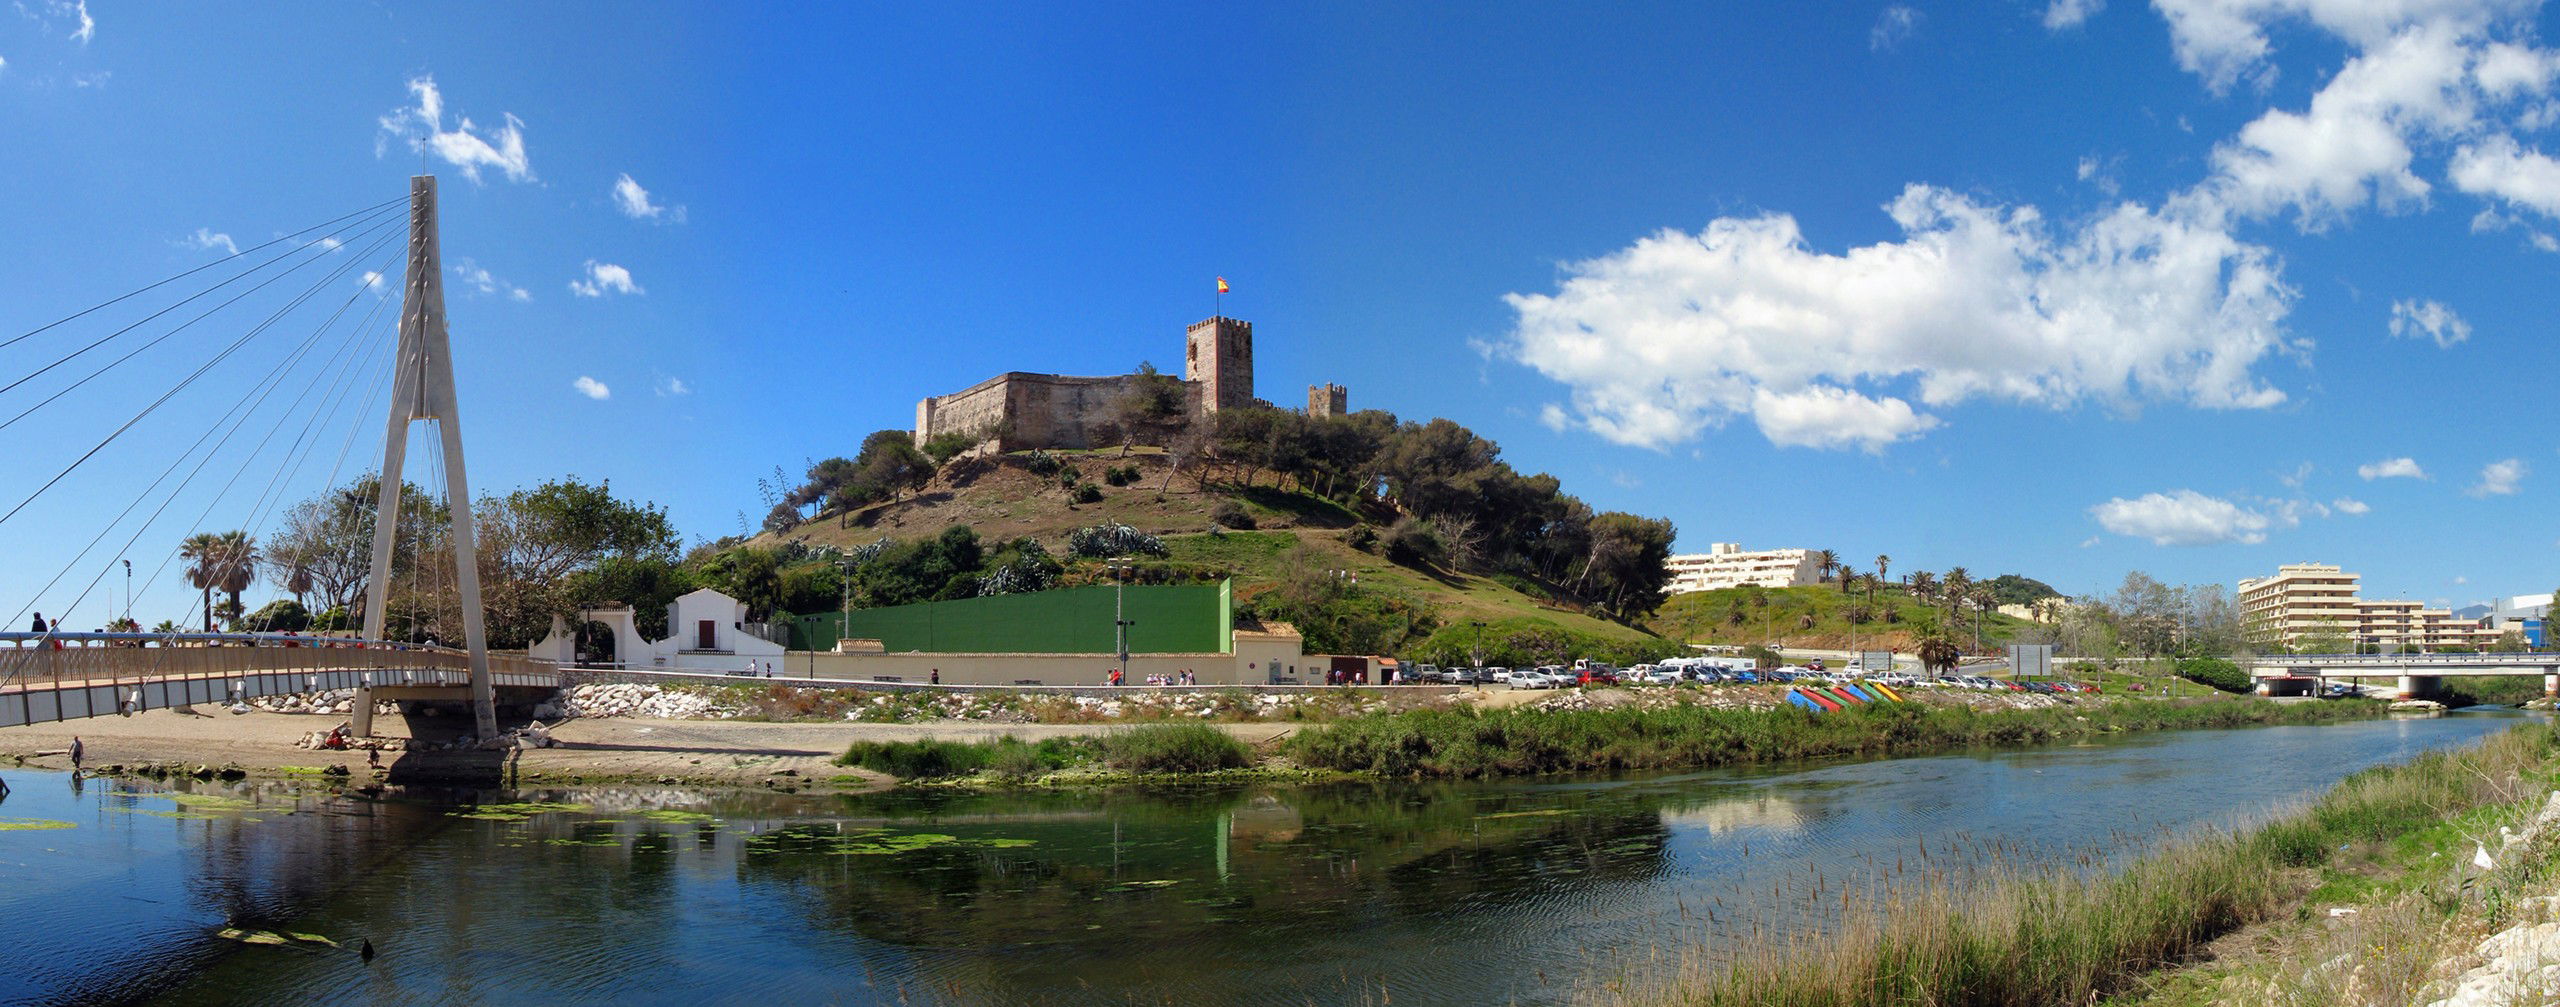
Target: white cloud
[[1679, 332], [1893, 27], [2183, 517], [2391, 468], [478, 278], [2498, 166], [2414, 319], [2294, 480], [207, 239], [591, 388], [1823, 416], [603, 278], [2061, 14], [634, 203], [466, 146], [2499, 478], [674, 386], [2089, 542], [2224, 41], [2351, 147], [371, 279], [2351, 505]]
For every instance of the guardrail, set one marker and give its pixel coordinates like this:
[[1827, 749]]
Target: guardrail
[[46, 677]]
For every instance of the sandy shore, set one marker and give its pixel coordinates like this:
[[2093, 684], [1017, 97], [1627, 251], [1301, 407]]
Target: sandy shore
[[715, 752]]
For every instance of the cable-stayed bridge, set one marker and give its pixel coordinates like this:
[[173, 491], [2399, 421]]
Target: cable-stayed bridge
[[308, 366]]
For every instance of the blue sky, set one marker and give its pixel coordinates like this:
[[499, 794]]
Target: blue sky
[[2064, 288]]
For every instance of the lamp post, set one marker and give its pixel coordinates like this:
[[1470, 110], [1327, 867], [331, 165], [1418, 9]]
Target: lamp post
[[1120, 621], [128, 591], [1479, 651]]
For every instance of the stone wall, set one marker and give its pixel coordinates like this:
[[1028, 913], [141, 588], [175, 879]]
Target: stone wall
[[1030, 411]]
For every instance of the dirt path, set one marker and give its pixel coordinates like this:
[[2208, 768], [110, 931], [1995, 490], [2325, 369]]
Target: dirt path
[[727, 752]]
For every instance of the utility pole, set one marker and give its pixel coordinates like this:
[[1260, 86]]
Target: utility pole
[[1479, 651], [128, 592]]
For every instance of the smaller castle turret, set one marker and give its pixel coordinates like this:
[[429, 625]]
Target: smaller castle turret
[[1328, 400]]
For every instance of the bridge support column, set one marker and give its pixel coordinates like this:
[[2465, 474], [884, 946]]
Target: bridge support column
[[2408, 688], [361, 712], [2551, 685]]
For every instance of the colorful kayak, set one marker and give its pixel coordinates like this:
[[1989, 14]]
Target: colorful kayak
[[1854, 689], [1799, 699], [1825, 702], [1844, 697], [1886, 691]]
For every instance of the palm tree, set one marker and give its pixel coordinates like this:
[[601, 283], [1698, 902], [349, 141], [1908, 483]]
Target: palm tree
[[1760, 600], [1827, 561], [239, 566], [203, 553], [1955, 585], [298, 581], [1882, 561], [1922, 583], [1846, 575], [1938, 655], [1982, 599]]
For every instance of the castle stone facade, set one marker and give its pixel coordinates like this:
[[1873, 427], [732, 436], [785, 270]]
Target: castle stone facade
[[1021, 410], [1328, 400]]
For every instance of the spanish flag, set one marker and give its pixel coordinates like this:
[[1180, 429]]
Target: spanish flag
[[1222, 284]]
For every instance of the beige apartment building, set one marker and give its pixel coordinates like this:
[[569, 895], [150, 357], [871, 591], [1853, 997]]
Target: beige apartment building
[[2318, 601], [1725, 564]]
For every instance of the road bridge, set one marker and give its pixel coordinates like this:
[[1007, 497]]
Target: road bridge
[[67, 676], [2412, 675]]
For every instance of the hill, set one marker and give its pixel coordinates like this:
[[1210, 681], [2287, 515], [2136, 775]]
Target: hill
[[1422, 609], [1818, 617]]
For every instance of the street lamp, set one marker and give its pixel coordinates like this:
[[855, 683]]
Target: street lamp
[[1479, 651], [1120, 621], [128, 591]]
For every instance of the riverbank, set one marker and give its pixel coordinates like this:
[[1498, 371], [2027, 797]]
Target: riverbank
[[2034, 934], [1653, 732], [764, 755]]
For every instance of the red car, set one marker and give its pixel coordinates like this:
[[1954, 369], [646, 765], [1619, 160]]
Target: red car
[[1589, 677]]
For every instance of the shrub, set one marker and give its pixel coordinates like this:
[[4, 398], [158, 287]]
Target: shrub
[[2216, 672], [1122, 475], [1042, 463], [1411, 541], [1174, 748], [1363, 537], [1088, 493], [916, 760], [1230, 514]]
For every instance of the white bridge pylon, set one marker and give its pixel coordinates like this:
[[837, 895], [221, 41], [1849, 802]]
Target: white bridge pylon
[[421, 389]]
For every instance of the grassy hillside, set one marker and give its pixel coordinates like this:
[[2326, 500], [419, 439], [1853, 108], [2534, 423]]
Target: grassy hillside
[[1001, 499], [1706, 617]]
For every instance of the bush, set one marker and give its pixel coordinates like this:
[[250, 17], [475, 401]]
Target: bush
[[917, 760], [1174, 748], [1088, 493], [2216, 672], [1122, 475], [1363, 537], [1230, 514], [1412, 542]]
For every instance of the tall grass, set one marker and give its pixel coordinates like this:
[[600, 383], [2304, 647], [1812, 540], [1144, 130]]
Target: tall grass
[[1512, 741], [1147, 748], [2022, 938]]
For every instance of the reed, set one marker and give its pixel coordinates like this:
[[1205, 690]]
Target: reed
[[1519, 741], [2020, 934]]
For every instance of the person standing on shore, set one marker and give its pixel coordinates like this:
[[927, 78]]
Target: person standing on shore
[[937, 676], [78, 752]]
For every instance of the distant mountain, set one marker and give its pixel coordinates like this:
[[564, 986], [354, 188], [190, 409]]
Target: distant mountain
[[2473, 612]]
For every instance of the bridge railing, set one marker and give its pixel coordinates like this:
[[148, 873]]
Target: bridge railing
[[30, 660]]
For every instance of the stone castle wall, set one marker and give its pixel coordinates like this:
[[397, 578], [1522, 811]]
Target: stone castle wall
[[1019, 410]]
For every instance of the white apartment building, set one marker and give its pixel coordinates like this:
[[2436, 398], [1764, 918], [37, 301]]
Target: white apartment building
[[2318, 601], [1725, 564]]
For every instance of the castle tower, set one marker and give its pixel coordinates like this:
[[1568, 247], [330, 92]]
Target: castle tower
[[1219, 356], [1328, 400]]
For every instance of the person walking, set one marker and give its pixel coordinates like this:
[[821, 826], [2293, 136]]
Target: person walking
[[937, 676], [78, 752]]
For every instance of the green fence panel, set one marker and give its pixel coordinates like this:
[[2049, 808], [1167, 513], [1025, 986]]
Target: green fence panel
[[1181, 619]]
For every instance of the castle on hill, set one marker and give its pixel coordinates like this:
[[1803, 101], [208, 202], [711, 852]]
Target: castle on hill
[[1022, 410]]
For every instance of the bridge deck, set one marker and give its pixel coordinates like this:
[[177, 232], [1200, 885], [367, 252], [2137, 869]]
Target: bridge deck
[[92, 675]]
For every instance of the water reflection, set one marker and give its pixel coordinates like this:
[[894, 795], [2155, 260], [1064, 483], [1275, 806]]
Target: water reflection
[[1347, 893]]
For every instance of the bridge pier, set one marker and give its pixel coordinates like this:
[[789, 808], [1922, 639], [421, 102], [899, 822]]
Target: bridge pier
[[2411, 686], [361, 712], [2551, 685]]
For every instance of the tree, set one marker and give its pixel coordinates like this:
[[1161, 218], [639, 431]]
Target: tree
[[283, 615], [1939, 655], [1826, 561], [1149, 404], [1882, 562], [203, 553], [239, 566]]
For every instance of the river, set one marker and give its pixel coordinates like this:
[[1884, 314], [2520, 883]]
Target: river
[[1407, 894]]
